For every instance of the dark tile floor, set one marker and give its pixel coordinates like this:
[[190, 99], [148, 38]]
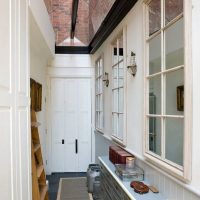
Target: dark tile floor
[[54, 182]]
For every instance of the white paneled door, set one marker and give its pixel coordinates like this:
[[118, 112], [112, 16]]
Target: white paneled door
[[71, 124], [15, 143]]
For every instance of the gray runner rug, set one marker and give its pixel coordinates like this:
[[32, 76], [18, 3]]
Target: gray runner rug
[[73, 189]]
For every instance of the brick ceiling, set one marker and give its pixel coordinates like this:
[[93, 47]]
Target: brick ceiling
[[91, 13]]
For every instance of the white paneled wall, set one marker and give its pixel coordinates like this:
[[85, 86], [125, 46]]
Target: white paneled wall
[[39, 55], [15, 145]]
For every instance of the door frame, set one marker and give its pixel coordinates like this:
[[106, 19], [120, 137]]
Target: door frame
[[49, 117]]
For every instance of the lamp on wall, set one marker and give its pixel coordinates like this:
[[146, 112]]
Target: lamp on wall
[[106, 79], [132, 67]]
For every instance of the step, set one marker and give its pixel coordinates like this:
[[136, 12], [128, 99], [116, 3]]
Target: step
[[39, 170]]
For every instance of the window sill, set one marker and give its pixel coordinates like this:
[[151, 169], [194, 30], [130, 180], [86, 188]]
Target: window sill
[[175, 172], [102, 134], [118, 141], [99, 131], [180, 181]]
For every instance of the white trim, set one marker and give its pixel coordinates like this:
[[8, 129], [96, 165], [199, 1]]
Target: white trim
[[121, 141], [64, 67], [100, 94], [70, 76], [188, 90]]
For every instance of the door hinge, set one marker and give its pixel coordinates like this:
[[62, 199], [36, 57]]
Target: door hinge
[[46, 162]]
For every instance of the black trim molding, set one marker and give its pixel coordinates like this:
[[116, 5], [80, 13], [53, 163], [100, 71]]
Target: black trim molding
[[71, 50], [116, 14]]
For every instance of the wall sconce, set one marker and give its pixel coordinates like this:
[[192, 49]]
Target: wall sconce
[[105, 79], [132, 67]]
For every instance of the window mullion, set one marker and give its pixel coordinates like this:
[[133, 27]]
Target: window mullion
[[118, 88], [162, 81]]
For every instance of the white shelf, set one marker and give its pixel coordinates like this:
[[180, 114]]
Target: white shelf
[[125, 185]]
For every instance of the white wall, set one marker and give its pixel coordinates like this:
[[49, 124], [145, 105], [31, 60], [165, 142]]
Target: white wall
[[41, 16], [169, 186], [39, 56], [67, 66]]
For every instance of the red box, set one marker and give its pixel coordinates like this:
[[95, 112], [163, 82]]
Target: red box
[[117, 155], [121, 157], [113, 154]]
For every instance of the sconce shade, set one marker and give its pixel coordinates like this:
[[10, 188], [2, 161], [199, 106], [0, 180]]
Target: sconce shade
[[106, 79], [132, 67]]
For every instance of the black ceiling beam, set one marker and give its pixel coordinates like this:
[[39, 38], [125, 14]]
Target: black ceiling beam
[[116, 14], [71, 50], [74, 17]]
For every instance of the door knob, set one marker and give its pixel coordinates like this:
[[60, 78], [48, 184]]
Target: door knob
[[63, 141]]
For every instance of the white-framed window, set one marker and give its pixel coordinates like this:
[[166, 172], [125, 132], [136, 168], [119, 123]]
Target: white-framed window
[[166, 87], [99, 122], [118, 89]]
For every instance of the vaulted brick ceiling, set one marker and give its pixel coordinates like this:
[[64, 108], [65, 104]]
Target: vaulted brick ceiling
[[91, 13]]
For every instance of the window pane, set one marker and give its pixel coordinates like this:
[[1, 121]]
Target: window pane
[[121, 74], [115, 53], [155, 91], [155, 55], [120, 132], [96, 86], [174, 140], [172, 9], [115, 100], [96, 103], [101, 102], [115, 76], [121, 48], [96, 119], [121, 100], [154, 16], [100, 85], [96, 70], [155, 135], [115, 122], [101, 120], [100, 67], [173, 99], [174, 45]]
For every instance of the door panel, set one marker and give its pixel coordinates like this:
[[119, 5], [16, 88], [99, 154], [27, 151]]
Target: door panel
[[84, 124], [57, 100], [15, 134], [71, 124]]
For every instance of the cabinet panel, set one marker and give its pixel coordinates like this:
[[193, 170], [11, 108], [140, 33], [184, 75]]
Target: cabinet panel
[[110, 188]]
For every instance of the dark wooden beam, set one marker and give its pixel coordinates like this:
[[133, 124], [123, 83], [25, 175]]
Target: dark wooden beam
[[74, 17], [71, 50], [116, 14]]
